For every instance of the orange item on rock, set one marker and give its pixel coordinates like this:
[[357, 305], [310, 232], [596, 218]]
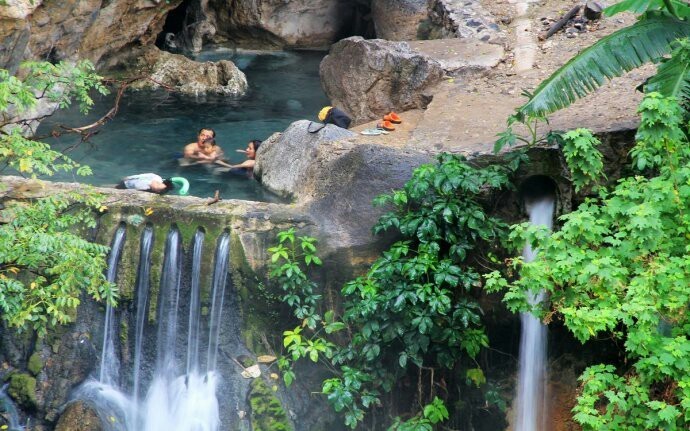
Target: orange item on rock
[[393, 118], [386, 125]]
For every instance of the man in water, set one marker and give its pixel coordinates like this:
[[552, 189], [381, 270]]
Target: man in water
[[154, 183], [204, 150]]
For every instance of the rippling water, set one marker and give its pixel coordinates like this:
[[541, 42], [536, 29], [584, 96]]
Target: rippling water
[[151, 128]]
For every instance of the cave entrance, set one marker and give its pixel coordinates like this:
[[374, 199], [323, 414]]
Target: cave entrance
[[536, 188], [173, 26], [361, 22]]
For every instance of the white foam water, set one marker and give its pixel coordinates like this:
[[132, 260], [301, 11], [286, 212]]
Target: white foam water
[[531, 394]]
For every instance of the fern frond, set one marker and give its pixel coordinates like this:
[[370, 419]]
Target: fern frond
[[647, 40]]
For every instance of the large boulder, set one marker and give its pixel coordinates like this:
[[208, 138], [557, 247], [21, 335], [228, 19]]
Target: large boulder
[[398, 19], [294, 151], [368, 78], [190, 77], [464, 19], [280, 23]]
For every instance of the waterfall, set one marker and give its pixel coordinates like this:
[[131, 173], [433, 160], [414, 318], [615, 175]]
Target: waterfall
[[178, 398], [531, 395], [109, 361], [219, 279], [9, 410], [186, 402], [142, 284], [194, 305]]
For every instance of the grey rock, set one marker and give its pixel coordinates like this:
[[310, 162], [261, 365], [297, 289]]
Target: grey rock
[[460, 57], [398, 19], [190, 77], [284, 159], [281, 23], [593, 10], [368, 78]]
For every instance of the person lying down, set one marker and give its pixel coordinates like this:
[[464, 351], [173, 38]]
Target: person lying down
[[154, 183]]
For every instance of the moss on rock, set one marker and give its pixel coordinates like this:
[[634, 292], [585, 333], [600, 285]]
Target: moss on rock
[[22, 389], [267, 413], [35, 364]]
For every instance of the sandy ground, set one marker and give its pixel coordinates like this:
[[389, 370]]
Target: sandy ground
[[467, 113]]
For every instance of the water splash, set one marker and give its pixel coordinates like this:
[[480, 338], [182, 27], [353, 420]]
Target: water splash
[[531, 395], [174, 401]]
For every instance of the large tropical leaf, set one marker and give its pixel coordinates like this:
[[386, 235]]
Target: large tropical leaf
[[673, 75], [647, 40], [676, 7]]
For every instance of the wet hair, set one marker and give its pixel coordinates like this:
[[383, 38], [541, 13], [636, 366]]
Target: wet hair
[[256, 143], [210, 141], [168, 185], [213, 132]]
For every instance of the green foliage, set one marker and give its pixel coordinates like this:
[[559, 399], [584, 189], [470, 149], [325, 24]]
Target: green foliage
[[433, 413], [647, 40], [267, 414], [583, 158], [44, 264], [620, 267], [413, 309]]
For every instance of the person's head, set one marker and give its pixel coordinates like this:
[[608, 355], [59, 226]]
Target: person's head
[[252, 148], [161, 187], [168, 185], [209, 142], [205, 133]]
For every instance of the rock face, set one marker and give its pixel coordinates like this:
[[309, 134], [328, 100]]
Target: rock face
[[280, 23], [463, 18], [90, 29], [398, 19], [190, 77], [334, 178], [368, 78]]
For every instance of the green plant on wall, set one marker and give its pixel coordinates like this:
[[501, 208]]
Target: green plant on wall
[[413, 311], [44, 264], [619, 268]]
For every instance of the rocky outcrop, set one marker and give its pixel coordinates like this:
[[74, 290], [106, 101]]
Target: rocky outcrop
[[368, 78], [280, 23], [398, 19], [464, 19], [190, 77], [460, 57], [334, 178], [90, 29]]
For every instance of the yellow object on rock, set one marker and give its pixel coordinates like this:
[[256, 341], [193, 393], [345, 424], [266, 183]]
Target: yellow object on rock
[[323, 112]]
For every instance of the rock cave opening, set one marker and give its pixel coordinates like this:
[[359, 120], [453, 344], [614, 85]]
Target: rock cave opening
[[173, 27], [537, 188], [361, 22]]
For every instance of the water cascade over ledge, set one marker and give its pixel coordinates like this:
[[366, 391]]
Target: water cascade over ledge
[[531, 393], [180, 395]]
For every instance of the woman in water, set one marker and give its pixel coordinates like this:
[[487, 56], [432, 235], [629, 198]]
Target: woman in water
[[246, 167]]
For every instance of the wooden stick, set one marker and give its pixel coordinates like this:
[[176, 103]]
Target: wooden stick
[[561, 22]]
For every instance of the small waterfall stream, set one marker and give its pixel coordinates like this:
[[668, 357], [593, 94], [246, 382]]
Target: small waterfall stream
[[109, 361], [531, 394], [179, 397], [9, 410]]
